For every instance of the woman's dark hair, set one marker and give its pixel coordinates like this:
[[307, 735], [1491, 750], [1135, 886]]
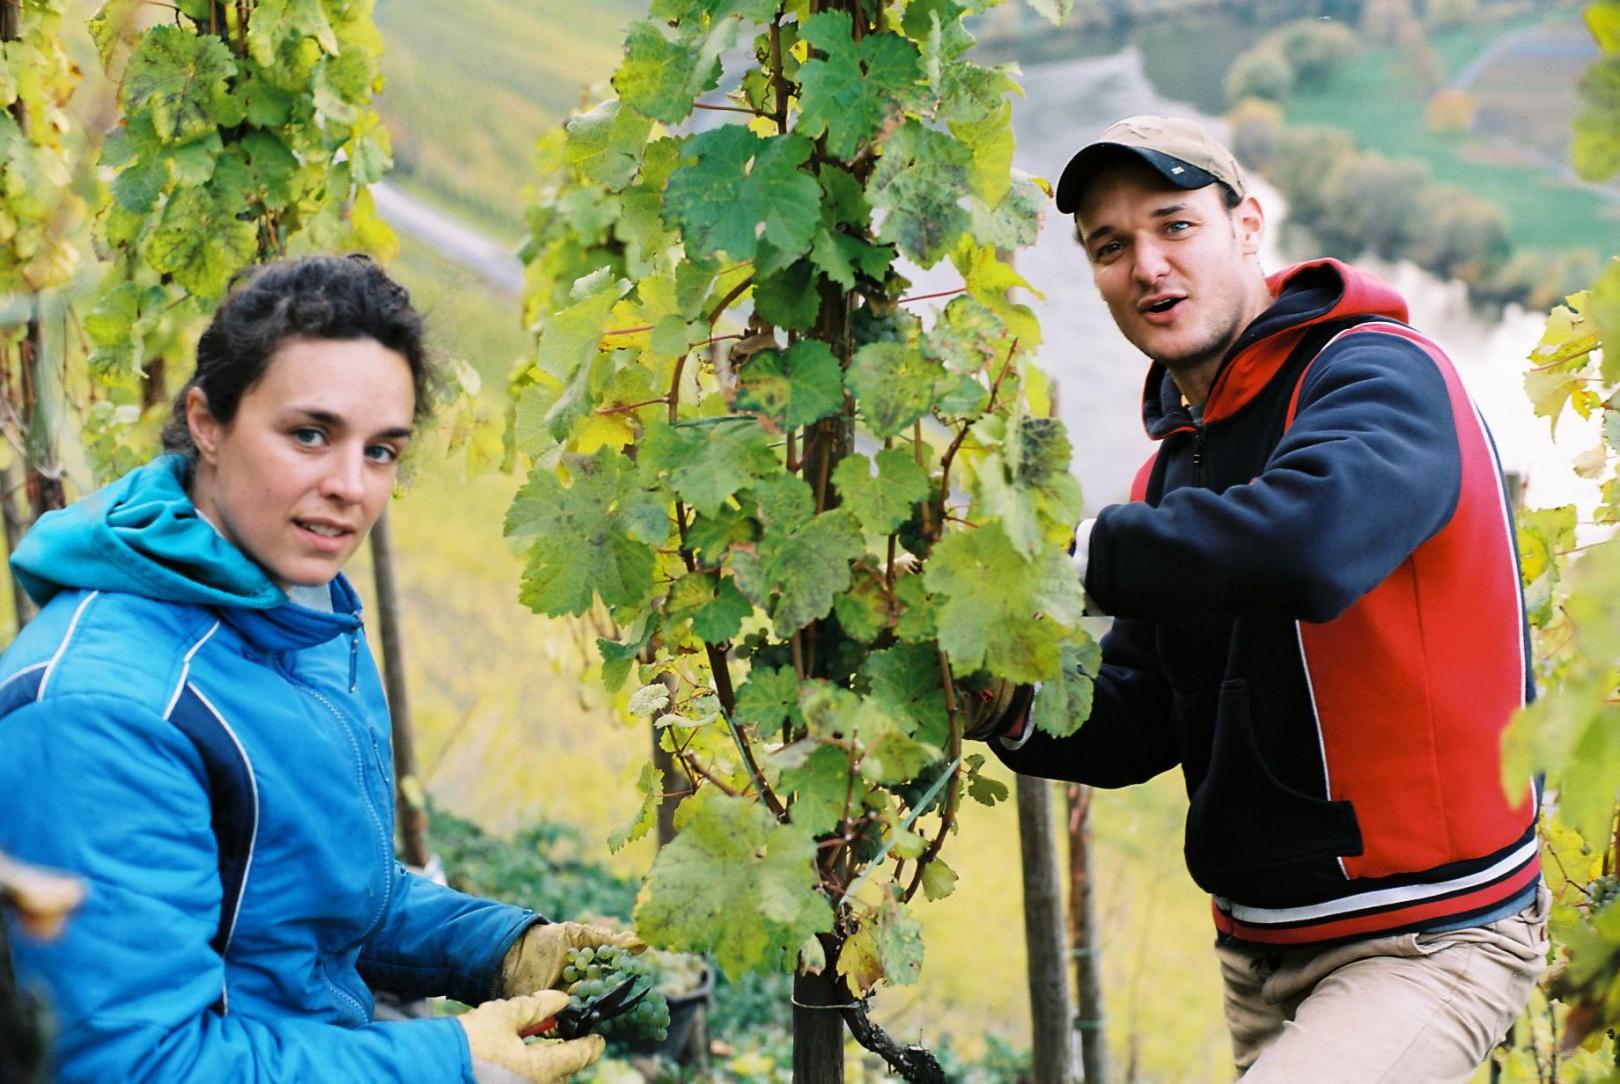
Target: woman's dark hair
[[316, 297]]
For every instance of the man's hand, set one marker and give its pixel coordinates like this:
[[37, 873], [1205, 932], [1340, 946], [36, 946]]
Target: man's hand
[[536, 960], [499, 1054], [991, 712]]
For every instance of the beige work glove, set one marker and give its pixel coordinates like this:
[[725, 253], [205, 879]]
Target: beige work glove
[[499, 1054], [990, 713], [536, 960]]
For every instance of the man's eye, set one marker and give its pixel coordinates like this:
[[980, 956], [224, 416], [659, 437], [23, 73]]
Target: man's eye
[[1179, 226], [1107, 248]]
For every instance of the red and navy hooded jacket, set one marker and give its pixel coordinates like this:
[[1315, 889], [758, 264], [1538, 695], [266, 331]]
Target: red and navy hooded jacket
[[1318, 617]]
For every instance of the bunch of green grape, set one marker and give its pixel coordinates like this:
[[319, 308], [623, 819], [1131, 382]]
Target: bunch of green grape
[[592, 972]]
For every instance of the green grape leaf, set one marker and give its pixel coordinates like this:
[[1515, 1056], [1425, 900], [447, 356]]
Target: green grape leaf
[[1062, 705], [734, 884], [732, 188], [278, 22], [967, 336], [268, 106], [980, 787], [863, 610], [343, 83], [179, 80], [894, 385], [849, 92], [888, 752], [716, 607], [884, 500], [810, 568], [596, 536], [663, 72], [888, 946], [1000, 630], [905, 680], [1053, 11], [918, 182], [789, 299], [819, 784], [606, 143], [706, 465], [783, 502], [651, 785], [274, 168], [768, 697], [840, 256], [793, 388], [619, 656], [919, 620], [143, 171], [944, 17], [711, 536], [571, 337], [201, 243], [938, 880], [990, 139], [1014, 222], [191, 164]]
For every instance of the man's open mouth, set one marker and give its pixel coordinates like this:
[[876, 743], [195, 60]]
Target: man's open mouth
[[1164, 305]]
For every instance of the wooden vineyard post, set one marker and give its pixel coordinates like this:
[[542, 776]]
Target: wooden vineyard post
[[411, 799], [1043, 934], [1083, 939]]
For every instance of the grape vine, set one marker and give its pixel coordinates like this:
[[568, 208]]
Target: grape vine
[[824, 520], [245, 133], [1573, 593]]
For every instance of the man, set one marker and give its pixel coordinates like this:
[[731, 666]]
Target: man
[[1318, 617]]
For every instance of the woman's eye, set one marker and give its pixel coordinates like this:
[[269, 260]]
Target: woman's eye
[[307, 435], [382, 453]]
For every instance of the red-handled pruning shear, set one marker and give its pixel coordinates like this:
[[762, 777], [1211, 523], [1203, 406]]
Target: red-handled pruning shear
[[579, 1020]]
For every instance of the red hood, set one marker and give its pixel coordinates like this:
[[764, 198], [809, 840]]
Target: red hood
[[1306, 294]]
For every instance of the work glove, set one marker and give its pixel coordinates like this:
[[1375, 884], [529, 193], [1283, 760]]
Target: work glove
[[499, 1054], [536, 960], [993, 711]]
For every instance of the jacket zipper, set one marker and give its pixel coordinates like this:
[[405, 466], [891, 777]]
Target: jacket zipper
[[1198, 453]]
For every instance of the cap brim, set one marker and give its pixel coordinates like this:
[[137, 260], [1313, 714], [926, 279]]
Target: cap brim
[[1083, 168]]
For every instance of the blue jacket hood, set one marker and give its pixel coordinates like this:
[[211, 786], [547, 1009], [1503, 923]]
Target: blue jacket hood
[[141, 535]]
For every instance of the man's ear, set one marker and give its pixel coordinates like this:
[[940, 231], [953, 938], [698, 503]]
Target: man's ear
[[205, 429], [1249, 222]]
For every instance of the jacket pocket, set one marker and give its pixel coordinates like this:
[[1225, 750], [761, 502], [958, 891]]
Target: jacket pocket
[[1251, 836]]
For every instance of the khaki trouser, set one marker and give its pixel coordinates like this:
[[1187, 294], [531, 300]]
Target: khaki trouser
[[1421, 1008]]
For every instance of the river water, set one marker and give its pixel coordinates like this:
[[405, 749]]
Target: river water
[[1100, 375]]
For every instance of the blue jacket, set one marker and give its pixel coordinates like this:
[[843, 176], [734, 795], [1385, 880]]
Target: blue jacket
[[171, 728]]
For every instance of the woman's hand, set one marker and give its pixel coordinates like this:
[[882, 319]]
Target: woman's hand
[[536, 960], [499, 1054]]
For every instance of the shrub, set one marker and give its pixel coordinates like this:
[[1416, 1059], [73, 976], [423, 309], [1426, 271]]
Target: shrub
[[1462, 236], [1450, 111], [1260, 72], [1256, 127], [1315, 49], [1373, 204]]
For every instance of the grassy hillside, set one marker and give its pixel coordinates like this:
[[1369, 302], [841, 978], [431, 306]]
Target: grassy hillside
[[471, 85], [1373, 97]]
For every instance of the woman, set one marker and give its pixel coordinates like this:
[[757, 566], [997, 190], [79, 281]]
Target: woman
[[194, 727]]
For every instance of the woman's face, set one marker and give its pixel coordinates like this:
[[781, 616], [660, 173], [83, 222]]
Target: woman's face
[[307, 465]]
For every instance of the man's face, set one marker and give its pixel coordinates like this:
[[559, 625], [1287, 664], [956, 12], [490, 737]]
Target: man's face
[[1176, 267]]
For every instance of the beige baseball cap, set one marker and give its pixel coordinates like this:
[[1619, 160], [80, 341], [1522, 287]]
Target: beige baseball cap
[[1178, 149]]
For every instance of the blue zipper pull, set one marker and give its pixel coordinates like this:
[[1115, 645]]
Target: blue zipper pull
[[354, 656]]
